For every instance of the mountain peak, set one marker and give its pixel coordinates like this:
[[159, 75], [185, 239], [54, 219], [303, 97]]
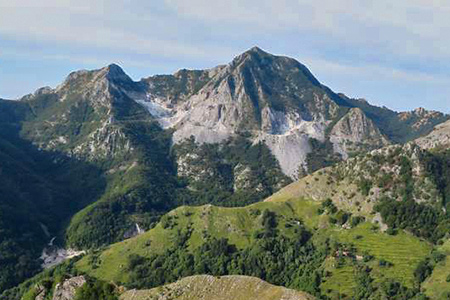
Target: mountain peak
[[114, 71], [256, 49], [114, 68], [252, 53]]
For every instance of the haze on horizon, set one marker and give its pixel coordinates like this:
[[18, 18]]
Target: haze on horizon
[[394, 54]]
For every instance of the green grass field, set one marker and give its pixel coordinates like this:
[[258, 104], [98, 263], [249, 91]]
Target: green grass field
[[403, 250], [436, 286], [238, 225], [342, 279]]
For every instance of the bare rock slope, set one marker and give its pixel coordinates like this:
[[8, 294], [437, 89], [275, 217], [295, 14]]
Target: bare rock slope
[[217, 288]]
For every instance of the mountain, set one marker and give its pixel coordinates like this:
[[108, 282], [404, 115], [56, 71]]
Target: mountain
[[217, 288], [101, 158], [277, 101]]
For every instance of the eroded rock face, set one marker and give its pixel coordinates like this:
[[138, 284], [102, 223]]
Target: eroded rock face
[[355, 131], [420, 117], [82, 114], [67, 289], [439, 137], [274, 99]]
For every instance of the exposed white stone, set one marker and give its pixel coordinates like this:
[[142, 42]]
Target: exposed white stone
[[68, 288], [53, 255]]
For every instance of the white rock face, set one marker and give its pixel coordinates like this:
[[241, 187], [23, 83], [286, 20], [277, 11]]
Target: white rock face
[[290, 150], [213, 121], [53, 255], [288, 140], [274, 99], [67, 289]]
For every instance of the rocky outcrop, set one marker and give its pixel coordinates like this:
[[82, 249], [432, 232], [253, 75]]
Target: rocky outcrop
[[420, 117], [217, 288], [83, 117], [439, 137], [67, 289], [355, 132]]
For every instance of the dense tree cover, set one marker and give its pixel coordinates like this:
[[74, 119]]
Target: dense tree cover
[[292, 262], [437, 163], [420, 219], [38, 191], [141, 193], [96, 290], [147, 191], [48, 279], [49, 187], [322, 155], [235, 173]]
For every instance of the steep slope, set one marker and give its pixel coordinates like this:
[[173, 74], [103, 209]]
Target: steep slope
[[438, 138], [83, 116], [358, 184], [356, 132], [277, 101], [106, 157], [218, 288], [39, 191], [93, 117]]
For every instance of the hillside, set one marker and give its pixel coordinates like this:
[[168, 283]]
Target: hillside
[[313, 235], [217, 288], [331, 259], [39, 192], [241, 227]]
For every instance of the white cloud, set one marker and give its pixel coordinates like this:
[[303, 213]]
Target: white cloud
[[371, 71], [405, 27], [98, 24]]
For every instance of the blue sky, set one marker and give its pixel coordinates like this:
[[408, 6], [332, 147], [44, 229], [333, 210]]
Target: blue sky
[[392, 53]]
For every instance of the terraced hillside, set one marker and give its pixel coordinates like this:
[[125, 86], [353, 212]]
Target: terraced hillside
[[437, 286]]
